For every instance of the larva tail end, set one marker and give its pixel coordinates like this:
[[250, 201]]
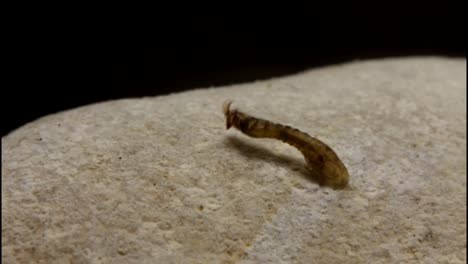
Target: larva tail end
[[227, 111]]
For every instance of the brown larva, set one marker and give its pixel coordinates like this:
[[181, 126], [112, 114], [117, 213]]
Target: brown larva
[[320, 157]]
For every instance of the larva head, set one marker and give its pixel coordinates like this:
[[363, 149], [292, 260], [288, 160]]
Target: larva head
[[227, 113]]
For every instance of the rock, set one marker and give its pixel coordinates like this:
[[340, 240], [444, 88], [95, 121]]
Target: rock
[[159, 180]]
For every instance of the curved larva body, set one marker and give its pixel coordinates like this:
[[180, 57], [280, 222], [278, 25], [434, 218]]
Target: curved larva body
[[317, 154]]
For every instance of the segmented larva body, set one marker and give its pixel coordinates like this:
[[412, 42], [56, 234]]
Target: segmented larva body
[[320, 157]]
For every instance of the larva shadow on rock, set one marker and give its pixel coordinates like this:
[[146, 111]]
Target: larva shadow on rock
[[319, 157]]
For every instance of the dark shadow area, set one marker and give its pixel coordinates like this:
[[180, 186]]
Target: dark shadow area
[[257, 152], [69, 55]]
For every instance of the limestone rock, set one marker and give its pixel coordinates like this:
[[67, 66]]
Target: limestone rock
[[159, 180]]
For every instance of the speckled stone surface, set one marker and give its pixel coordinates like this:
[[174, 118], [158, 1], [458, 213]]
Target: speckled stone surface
[[159, 180]]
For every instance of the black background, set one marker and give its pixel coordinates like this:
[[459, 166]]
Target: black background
[[70, 55]]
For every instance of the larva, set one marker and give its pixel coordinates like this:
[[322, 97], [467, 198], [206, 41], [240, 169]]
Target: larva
[[320, 157]]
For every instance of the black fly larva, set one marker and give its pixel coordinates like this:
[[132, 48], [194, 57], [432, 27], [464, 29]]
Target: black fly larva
[[320, 157]]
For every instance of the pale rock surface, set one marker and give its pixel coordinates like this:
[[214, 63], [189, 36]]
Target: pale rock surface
[[159, 180]]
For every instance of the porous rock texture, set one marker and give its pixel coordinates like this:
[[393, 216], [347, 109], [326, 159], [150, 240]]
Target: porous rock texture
[[159, 180]]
